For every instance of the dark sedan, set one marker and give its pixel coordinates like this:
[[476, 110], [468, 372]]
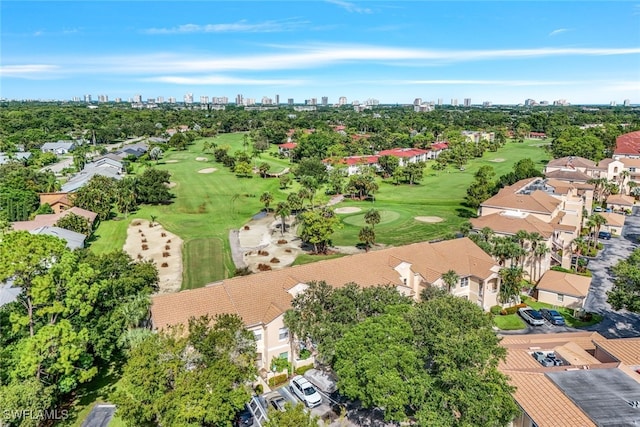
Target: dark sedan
[[552, 316]]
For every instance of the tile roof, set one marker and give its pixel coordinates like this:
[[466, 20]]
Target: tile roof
[[50, 219], [614, 219], [568, 175], [288, 145], [74, 240], [506, 223], [403, 152], [625, 350], [620, 199], [53, 198], [629, 143], [261, 297], [564, 283], [538, 201], [571, 162]]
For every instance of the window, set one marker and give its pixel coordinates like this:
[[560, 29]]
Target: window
[[257, 335], [494, 286], [284, 355], [632, 169], [464, 282], [560, 297], [283, 333]]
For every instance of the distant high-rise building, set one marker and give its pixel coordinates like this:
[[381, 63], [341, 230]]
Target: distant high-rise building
[[188, 98], [204, 99], [290, 101], [560, 102], [612, 104], [239, 99], [87, 98], [487, 104], [266, 100], [627, 103], [454, 102], [439, 101], [544, 103], [103, 98], [277, 99], [417, 101], [172, 100], [467, 102], [137, 99], [250, 101], [313, 101], [342, 100], [118, 100], [160, 99], [529, 102], [76, 99], [325, 101]]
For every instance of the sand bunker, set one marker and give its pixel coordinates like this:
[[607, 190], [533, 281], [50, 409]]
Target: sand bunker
[[207, 170], [202, 159], [428, 219], [160, 246], [171, 161], [171, 184], [498, 160], [347, 210]]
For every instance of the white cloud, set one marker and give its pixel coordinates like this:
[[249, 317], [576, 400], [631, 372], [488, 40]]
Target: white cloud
[[558, 31], [350, 7], [235, 27], [28, 71]]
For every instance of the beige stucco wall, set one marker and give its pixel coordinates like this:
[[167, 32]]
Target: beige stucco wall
[[552, 298], [270, 345]]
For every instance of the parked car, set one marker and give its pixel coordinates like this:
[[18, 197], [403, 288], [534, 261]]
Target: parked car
[[597, 209], [552, 316], [605, 235], [305, 391], [275, 400], [244, 418], [533, 317]]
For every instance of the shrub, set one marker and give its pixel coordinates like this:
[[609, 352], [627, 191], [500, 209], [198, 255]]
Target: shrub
[[139, 231], [163, 234], [302, 369], [282, 241], [164, 264], [496, 309], [140, 256], [166, 254], [246, 227], [145, 247], [263, 253], [169, 241], [288, 251], [244, 271], [167, 247], [274, 260], [144, 240], [304, 354], [264, 267], [278, 380], [513, 309], [258, 389]]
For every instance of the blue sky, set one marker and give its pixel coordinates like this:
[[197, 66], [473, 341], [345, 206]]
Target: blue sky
[[393, 51]]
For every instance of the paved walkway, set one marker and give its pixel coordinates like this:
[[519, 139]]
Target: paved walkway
[[100, 415]]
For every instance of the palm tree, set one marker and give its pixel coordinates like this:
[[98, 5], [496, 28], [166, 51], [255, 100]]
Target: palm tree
[[624, 175], [266, 198], [372, 217], [598, 221], [450, 278], [155, 154], [283, 211], [367, 236], [510, 287], [540, 252]]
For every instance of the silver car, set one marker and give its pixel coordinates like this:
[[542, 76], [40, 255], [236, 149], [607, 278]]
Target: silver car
[[305, 391]]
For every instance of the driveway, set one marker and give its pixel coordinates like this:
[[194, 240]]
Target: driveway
[[616, 324]]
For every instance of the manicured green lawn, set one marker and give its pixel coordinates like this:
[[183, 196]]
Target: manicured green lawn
[[509, 322], [438, 194]]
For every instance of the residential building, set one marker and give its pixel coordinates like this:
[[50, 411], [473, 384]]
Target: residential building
[[105, 166], [627, 145], [557, 204], [287, 148], [188, 98], [563, 289], [59, 202], [43, 220], [59, 147], [620, 202], [614, 224], [596, 381], [467, 102], [74, 240], [14, 157], [477, 136], [342, 100], [454, 102], [406, 155], [627, 103], [325, 101], [354, 164], [261, 299]]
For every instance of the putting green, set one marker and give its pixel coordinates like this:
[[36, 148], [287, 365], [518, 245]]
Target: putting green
[[385, 217]]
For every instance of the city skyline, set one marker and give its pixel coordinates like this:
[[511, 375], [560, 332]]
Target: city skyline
[[500, 52]]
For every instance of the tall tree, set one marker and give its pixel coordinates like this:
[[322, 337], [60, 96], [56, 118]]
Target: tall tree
[[511, 280], [450, 279], [625, 293], [283, 211], [151, 186], [97, 196], [317, 228], [76, 223], [367, 235], [372, 217], [266, 198], [292, 416]]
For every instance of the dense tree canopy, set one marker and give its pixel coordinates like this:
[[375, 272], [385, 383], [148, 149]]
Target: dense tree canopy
[[625, 293]]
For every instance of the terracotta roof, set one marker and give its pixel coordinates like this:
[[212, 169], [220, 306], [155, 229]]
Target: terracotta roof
[[51, 219], [558, 223], [288, 145], [629, 143], [260, 298], [52, 198], [630, 163], [571, 162], [614, 219], [564, 283], [545, 403], [538, 201], [625, 350], [355, 160], [568, 175], [402, 152], [505, 223], [620, 199]]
